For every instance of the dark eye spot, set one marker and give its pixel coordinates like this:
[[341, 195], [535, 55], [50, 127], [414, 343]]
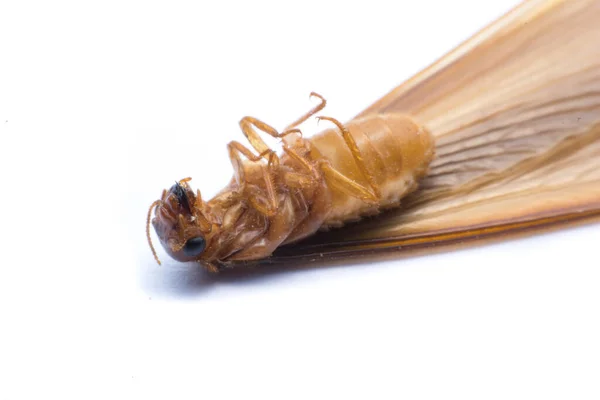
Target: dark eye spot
[[194, 247]]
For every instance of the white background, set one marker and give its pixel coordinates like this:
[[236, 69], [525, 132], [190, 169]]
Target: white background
[[103, 105]]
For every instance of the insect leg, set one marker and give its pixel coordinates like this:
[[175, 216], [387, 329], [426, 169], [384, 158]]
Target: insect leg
[[248, 125], [336, 178], [347, 185], [303, 161], [356, 154], [297, 181], [263, 200], [310, 113]]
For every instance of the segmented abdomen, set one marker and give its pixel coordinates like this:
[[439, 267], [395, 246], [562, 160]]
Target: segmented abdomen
[[396, 150]]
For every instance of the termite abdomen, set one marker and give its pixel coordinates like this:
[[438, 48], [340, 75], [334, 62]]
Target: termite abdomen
[[395, 150]]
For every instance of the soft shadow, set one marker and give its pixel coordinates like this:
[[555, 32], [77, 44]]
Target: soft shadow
[[183, 280], [174, 279]]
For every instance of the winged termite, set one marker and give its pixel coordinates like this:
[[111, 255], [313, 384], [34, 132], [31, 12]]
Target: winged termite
[[341, 175], [515, 116]]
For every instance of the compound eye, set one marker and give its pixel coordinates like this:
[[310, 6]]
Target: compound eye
[[194, 247]]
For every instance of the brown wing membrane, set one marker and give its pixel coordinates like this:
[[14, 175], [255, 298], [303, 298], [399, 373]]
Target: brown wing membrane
[[516, 114]]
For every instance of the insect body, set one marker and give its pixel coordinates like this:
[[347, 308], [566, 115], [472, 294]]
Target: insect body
[[338, 176], [515, 113]]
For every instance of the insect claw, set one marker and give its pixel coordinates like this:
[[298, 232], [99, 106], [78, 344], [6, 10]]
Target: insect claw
[[317, 95]]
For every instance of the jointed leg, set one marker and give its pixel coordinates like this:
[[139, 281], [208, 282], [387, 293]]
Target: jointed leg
[[247, 124], [306, 165], [347, 185], [241, 149], [297, 180], [356, 154], [310, 113], [336, 178], [264, 202]]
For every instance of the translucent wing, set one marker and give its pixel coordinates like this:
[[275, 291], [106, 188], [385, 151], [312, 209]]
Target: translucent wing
[[516, 113]]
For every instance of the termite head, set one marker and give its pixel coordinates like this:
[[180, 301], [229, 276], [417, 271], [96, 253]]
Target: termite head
[[181, 223]]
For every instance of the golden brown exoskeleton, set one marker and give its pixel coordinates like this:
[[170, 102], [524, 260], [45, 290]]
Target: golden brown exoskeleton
[[515, 113], [336, 177]]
